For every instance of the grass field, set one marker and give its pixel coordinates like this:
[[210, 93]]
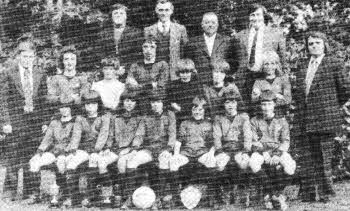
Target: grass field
[[339, 203]]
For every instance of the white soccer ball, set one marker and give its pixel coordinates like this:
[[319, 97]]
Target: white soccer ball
[[190, 197], [143, 197]]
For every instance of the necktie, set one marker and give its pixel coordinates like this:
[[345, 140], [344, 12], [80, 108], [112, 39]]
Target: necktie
[[164, 29], [252, 50], [27, 88], [310, 75]]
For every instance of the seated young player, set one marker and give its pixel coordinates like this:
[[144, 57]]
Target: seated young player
[[159, 142], [196, 136], [213, 93], [110, 88], [182, 91], [232, 139], [270, 147], [90, 135], [126, 140], [54, 149]]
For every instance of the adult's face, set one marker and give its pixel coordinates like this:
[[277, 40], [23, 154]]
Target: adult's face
[[149, 50], [315, 46], [129, 104], [157, 106], [69, 61], [26, 58], [91, 108], [119, 16], [256, 18], [270, 65], [164, 11], [268, 108], [231, 107], [198, 112], [108, 72], [210, 24]]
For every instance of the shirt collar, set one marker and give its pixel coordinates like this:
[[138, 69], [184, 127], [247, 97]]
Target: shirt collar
[[21, 69], [317, 59], [209, 38], [152, 61], [167, 24]]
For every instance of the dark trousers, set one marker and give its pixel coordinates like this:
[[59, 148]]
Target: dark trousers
[[276, 180]]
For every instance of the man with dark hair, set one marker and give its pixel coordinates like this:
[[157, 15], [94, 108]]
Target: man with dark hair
[[252, 43], [210, 46], [119, 39], [321, 90], [24, 112], [171, 36]]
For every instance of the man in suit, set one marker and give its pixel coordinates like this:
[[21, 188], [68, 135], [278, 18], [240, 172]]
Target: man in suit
[[252, 43], [171, 36], [206, 48], [120, 39], [321, 89], [24, 113]]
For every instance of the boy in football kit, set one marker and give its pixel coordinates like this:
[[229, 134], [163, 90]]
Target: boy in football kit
[[270, 146]]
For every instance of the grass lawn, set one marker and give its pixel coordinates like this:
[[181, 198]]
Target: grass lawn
[[341, 202]]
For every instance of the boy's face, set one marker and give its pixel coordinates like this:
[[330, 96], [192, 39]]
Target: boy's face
[[26, 58], [108, 72], [119, 16], [270, 66], [198, 112], [185, 75], [256, 18], [218, 76], [315, 46], [268, 108], [65, 112], [91, 108], [129, 104], [69, 61], [149, 50], [231, 107], [157, 106], [164, 11]]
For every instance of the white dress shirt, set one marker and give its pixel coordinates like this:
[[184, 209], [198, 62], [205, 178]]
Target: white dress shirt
[[259, 49], [21, 71], [164, 28], [311, 71], [209, 41]]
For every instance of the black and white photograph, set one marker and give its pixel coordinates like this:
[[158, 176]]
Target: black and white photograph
[[175, 105]]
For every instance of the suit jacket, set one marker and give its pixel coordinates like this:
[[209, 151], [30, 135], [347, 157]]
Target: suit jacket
[[197, 50], [13, 101], [129, 47], [178, 39], [320, 110], [273, 40]]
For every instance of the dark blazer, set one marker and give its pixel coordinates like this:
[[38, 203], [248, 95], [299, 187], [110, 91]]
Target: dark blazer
[[320, 110], [129, 47], [26, 127], [197, 50]]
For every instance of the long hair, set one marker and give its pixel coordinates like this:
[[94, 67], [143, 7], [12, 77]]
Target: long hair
[[320, 35]]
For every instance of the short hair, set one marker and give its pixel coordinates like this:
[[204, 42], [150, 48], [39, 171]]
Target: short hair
[[185, 64], [150, 39], [164, 2], [268, 55], [110, 62], [220, 64], [25, 42], [254, 7], [118, 7], [320, 35], [64, 50], [209, 14]]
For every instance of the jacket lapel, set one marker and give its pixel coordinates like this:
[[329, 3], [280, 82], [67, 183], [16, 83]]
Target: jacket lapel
[[203, 45], [16, 77], [37, 76], [318, 74], [173, 35], [217, 42]]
